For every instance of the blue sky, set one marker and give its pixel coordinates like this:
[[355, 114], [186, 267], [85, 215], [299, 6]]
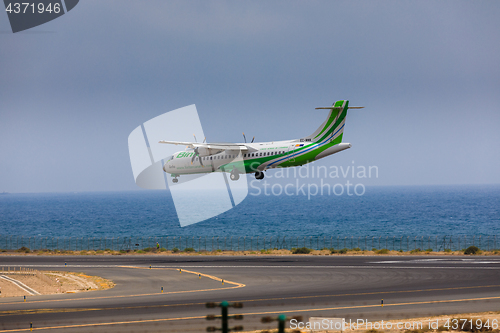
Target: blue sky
[[427, 72]]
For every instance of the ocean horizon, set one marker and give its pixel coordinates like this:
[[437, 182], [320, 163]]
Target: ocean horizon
[[380, 211]]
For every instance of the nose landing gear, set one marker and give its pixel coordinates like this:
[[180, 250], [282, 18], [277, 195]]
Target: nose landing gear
[[259, 175], [234, 176]]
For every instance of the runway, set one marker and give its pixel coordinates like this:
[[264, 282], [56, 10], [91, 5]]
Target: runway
[[351, 287]]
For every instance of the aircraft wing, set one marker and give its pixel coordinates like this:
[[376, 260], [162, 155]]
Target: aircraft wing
[[211, 146]]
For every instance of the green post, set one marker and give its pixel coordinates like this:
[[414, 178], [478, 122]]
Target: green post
[[224, 306], [281, 323]]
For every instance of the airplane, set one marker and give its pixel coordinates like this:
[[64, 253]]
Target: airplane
[[257, 157]]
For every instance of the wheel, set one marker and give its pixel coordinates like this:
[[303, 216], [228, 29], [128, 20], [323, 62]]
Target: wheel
[[259, 175], [234, 176], [175, 180]]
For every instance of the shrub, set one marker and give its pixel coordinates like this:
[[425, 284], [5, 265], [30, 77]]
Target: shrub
[[416, 251], [23, 249], [400, 251], [374, 249], [472, 250], [175, 250], [447, 250], [332, 251], [383, 251], [123, 251], [148, 249], [219, 250], [344, 251], [356, 249], [189, 249], [107, 250], [140, 251], [428, 250], [163, 249], [302, 250]]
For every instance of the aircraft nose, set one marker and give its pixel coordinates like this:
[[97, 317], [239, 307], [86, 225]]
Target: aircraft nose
[[165, 166]]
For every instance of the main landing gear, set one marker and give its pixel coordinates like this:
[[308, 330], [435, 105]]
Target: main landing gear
[[259, 175], [175, 180]]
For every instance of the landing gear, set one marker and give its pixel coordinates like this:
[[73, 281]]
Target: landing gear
[[259, 175], [234, 176], [175, 180]]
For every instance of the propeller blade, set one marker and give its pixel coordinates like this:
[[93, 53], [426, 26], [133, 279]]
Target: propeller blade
[[196, 154], [195, 138], [253, 139], [204, 139], [244, 137]]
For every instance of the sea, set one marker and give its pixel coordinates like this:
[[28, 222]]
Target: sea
[[380, 211]]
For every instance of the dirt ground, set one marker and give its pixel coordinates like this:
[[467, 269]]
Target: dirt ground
[[51, 282]]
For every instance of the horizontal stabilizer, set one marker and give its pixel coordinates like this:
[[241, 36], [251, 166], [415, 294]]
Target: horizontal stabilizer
[[338, 107]]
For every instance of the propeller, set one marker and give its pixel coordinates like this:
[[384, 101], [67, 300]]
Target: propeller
[[196, 153], [244, 137], [253, 139]]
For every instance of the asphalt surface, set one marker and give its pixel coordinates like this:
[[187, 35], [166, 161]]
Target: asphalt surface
[[350, 287]]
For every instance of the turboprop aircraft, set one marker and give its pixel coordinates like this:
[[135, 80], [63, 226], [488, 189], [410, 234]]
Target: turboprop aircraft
[[257, 157]]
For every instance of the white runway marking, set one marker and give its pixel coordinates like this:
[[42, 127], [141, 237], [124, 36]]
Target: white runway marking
[[451, 260]]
